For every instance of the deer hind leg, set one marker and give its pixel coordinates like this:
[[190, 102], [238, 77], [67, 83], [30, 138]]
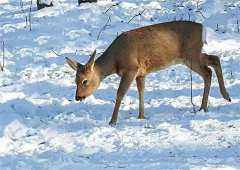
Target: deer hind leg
[[140, 86], [206, 73], [207, 76], [214, 62], [125, 83]]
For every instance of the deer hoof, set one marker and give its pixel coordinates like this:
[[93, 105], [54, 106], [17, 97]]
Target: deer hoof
[[141, 117], [112, 123], [227, 97], [204, 109]]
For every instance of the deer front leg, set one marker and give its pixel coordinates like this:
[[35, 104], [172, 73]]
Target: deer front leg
[[125, 83], [140, 85]]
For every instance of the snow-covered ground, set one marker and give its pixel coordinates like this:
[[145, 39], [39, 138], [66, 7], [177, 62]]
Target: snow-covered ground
[[43, 128]]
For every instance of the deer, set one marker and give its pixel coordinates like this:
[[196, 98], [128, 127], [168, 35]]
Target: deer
[[138, 52]]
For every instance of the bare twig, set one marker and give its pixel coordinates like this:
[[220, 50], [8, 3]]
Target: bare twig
[[198, 1], [193, 105], [55, 52], [217, 29], [87, 51], [111, 7], [199, 9], [21, 5], [30, 10], [3, 56], [26, 21], [104, 27], [238, 29], [200, 12], [189, 17], [139, 14]]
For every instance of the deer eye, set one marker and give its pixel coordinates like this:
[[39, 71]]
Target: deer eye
[[85, 82]]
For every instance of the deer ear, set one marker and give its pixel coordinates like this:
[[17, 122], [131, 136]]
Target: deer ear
[[73, 63], [91, 61]]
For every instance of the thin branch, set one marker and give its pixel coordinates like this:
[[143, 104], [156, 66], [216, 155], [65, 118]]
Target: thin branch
[[30, 10], [75, 52], [198, 1], [238, 29], [193, 105], [3, 56], [26, 18], [199, 11], [217, 28], [55, 52], [87, 51], [189, 17], [21, 5], [104, 27], [139, 14], [26, 21], [111, 7]]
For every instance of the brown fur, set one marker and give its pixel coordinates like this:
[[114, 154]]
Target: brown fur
[[138, 52]]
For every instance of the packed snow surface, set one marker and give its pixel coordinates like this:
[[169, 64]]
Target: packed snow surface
[[43, 128]]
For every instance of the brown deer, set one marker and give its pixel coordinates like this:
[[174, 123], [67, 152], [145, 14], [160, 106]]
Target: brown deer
[[135, 53]]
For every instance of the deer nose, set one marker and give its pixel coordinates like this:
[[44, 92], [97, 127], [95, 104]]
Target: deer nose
[[80, 98], [77, 98]]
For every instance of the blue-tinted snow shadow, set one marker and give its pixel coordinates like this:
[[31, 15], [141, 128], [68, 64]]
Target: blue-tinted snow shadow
[[44, 90], [162, 158], [224, 112], [170, 158]]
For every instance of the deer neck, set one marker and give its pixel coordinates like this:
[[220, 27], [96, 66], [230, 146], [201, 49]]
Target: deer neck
[[105, 65]]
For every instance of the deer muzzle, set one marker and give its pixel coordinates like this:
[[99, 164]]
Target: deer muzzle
[[79, 98]]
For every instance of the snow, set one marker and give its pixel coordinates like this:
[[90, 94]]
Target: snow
[[43, 128]]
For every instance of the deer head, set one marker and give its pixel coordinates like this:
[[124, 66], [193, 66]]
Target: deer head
[[87, 79]]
